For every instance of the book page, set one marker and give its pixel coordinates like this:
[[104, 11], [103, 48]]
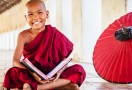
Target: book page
[[58, 67], [30, 66]]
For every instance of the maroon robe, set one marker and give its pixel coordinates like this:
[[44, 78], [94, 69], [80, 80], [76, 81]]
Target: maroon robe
[[46, 51]]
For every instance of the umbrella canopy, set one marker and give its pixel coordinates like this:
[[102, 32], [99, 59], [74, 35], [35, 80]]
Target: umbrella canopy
[[12, 14], [112, 58]]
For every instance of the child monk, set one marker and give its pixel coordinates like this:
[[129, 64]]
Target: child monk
[[45, 47]]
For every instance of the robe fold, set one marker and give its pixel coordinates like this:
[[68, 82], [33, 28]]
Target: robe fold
[[46, 51]]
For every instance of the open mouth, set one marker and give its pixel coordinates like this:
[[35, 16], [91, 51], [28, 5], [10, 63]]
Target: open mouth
[[35, 23]]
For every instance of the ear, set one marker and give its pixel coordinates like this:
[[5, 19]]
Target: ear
[[25, 17], [47, 14]]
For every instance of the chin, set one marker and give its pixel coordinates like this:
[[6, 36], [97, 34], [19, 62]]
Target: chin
[[37, 28]]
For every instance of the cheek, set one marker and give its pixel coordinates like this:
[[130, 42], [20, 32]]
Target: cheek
[[29, 20]]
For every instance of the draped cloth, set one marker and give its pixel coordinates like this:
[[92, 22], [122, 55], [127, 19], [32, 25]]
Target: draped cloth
[[46, 51]]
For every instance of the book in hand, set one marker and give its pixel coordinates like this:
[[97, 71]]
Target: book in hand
[[43, 76]]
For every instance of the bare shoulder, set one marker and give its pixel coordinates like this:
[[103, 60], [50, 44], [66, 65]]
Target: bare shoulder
[[24, 36], [24, 32]]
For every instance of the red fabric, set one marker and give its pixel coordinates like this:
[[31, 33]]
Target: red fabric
[[45, 52], [73, 70], [16, 77], [74, 78]]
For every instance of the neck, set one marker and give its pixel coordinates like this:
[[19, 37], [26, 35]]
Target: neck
[[37, 30]]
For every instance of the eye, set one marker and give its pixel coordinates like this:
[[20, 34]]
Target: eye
[[40, 12], [30, 14]]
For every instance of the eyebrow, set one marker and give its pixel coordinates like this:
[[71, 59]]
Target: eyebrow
[[37, 11]]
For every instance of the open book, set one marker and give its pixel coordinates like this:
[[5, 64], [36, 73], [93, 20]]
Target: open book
[[31, 67]]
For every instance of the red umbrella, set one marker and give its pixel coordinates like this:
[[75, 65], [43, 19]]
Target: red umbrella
[[112, 58]]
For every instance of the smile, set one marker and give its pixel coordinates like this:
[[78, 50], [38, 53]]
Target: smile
[[36, 23]]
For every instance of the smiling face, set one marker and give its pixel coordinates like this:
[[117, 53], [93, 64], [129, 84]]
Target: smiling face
[[36, 15]]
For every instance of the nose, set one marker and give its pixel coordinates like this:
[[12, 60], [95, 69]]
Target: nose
[[35, 16]]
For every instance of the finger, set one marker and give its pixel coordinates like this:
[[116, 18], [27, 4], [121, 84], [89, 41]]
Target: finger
[[58, 75], [42, 82], [51, 79], [36, 76], [47, 81], [37, 79]]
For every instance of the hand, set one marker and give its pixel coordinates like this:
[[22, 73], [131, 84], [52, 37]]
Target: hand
[[59, 73], [38, 79], [57, 76]]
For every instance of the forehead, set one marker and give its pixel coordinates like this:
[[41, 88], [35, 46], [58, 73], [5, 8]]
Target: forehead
[[34, 6]]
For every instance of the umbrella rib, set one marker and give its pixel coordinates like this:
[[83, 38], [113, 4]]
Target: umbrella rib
[[121, 62], [110, 50], [113, 62], [103, 44]]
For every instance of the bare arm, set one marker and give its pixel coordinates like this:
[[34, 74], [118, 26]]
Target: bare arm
[[18, 51]]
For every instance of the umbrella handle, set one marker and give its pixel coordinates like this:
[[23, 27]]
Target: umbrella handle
[[125, 30], [124, 34]]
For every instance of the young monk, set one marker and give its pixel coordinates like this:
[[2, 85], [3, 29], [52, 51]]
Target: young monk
[[45, 47]]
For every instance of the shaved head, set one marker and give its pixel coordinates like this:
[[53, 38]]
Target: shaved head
[[35, 1], [34, 5]]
